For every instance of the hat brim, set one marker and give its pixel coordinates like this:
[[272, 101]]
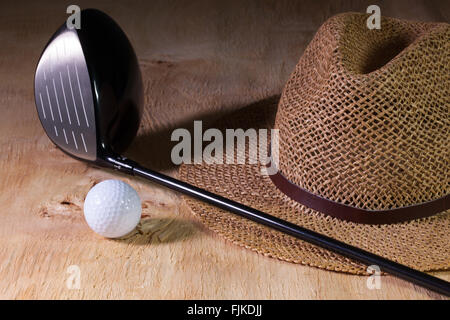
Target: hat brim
[[423, 244]]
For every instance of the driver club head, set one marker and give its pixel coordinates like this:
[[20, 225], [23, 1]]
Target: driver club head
[[88, 89]]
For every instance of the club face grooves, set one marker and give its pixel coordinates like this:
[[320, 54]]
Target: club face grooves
[[88, 88], [64, 99]]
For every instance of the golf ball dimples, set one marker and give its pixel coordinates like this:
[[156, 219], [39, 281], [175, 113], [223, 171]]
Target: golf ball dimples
[[112, 208]]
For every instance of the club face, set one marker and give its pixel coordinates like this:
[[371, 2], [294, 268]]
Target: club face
[[88, 88], [63, 94]]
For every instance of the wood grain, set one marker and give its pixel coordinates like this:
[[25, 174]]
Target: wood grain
[[200, 60]]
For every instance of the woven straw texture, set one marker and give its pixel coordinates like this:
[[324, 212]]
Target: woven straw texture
[[363, 120]]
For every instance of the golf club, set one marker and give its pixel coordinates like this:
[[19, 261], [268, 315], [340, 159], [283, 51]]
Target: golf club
[[89, 98]]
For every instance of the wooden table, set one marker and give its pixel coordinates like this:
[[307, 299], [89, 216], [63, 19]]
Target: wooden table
[[199, 60]]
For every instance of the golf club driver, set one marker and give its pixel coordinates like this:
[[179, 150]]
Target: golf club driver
[[89, 97]]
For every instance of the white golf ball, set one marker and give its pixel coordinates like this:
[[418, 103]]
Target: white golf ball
[[112, 208]]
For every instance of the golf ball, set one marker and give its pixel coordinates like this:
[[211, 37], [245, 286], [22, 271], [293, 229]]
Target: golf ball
[[112, 208]]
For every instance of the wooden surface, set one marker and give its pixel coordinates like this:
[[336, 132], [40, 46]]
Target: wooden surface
[[200, 60]]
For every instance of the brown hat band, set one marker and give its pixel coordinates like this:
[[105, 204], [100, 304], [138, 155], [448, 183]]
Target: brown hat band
[[353, 214]]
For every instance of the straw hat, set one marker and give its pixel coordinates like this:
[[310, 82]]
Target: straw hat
[[364, 150]]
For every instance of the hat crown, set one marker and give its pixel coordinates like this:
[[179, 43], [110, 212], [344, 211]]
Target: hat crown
[[364, 119]]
